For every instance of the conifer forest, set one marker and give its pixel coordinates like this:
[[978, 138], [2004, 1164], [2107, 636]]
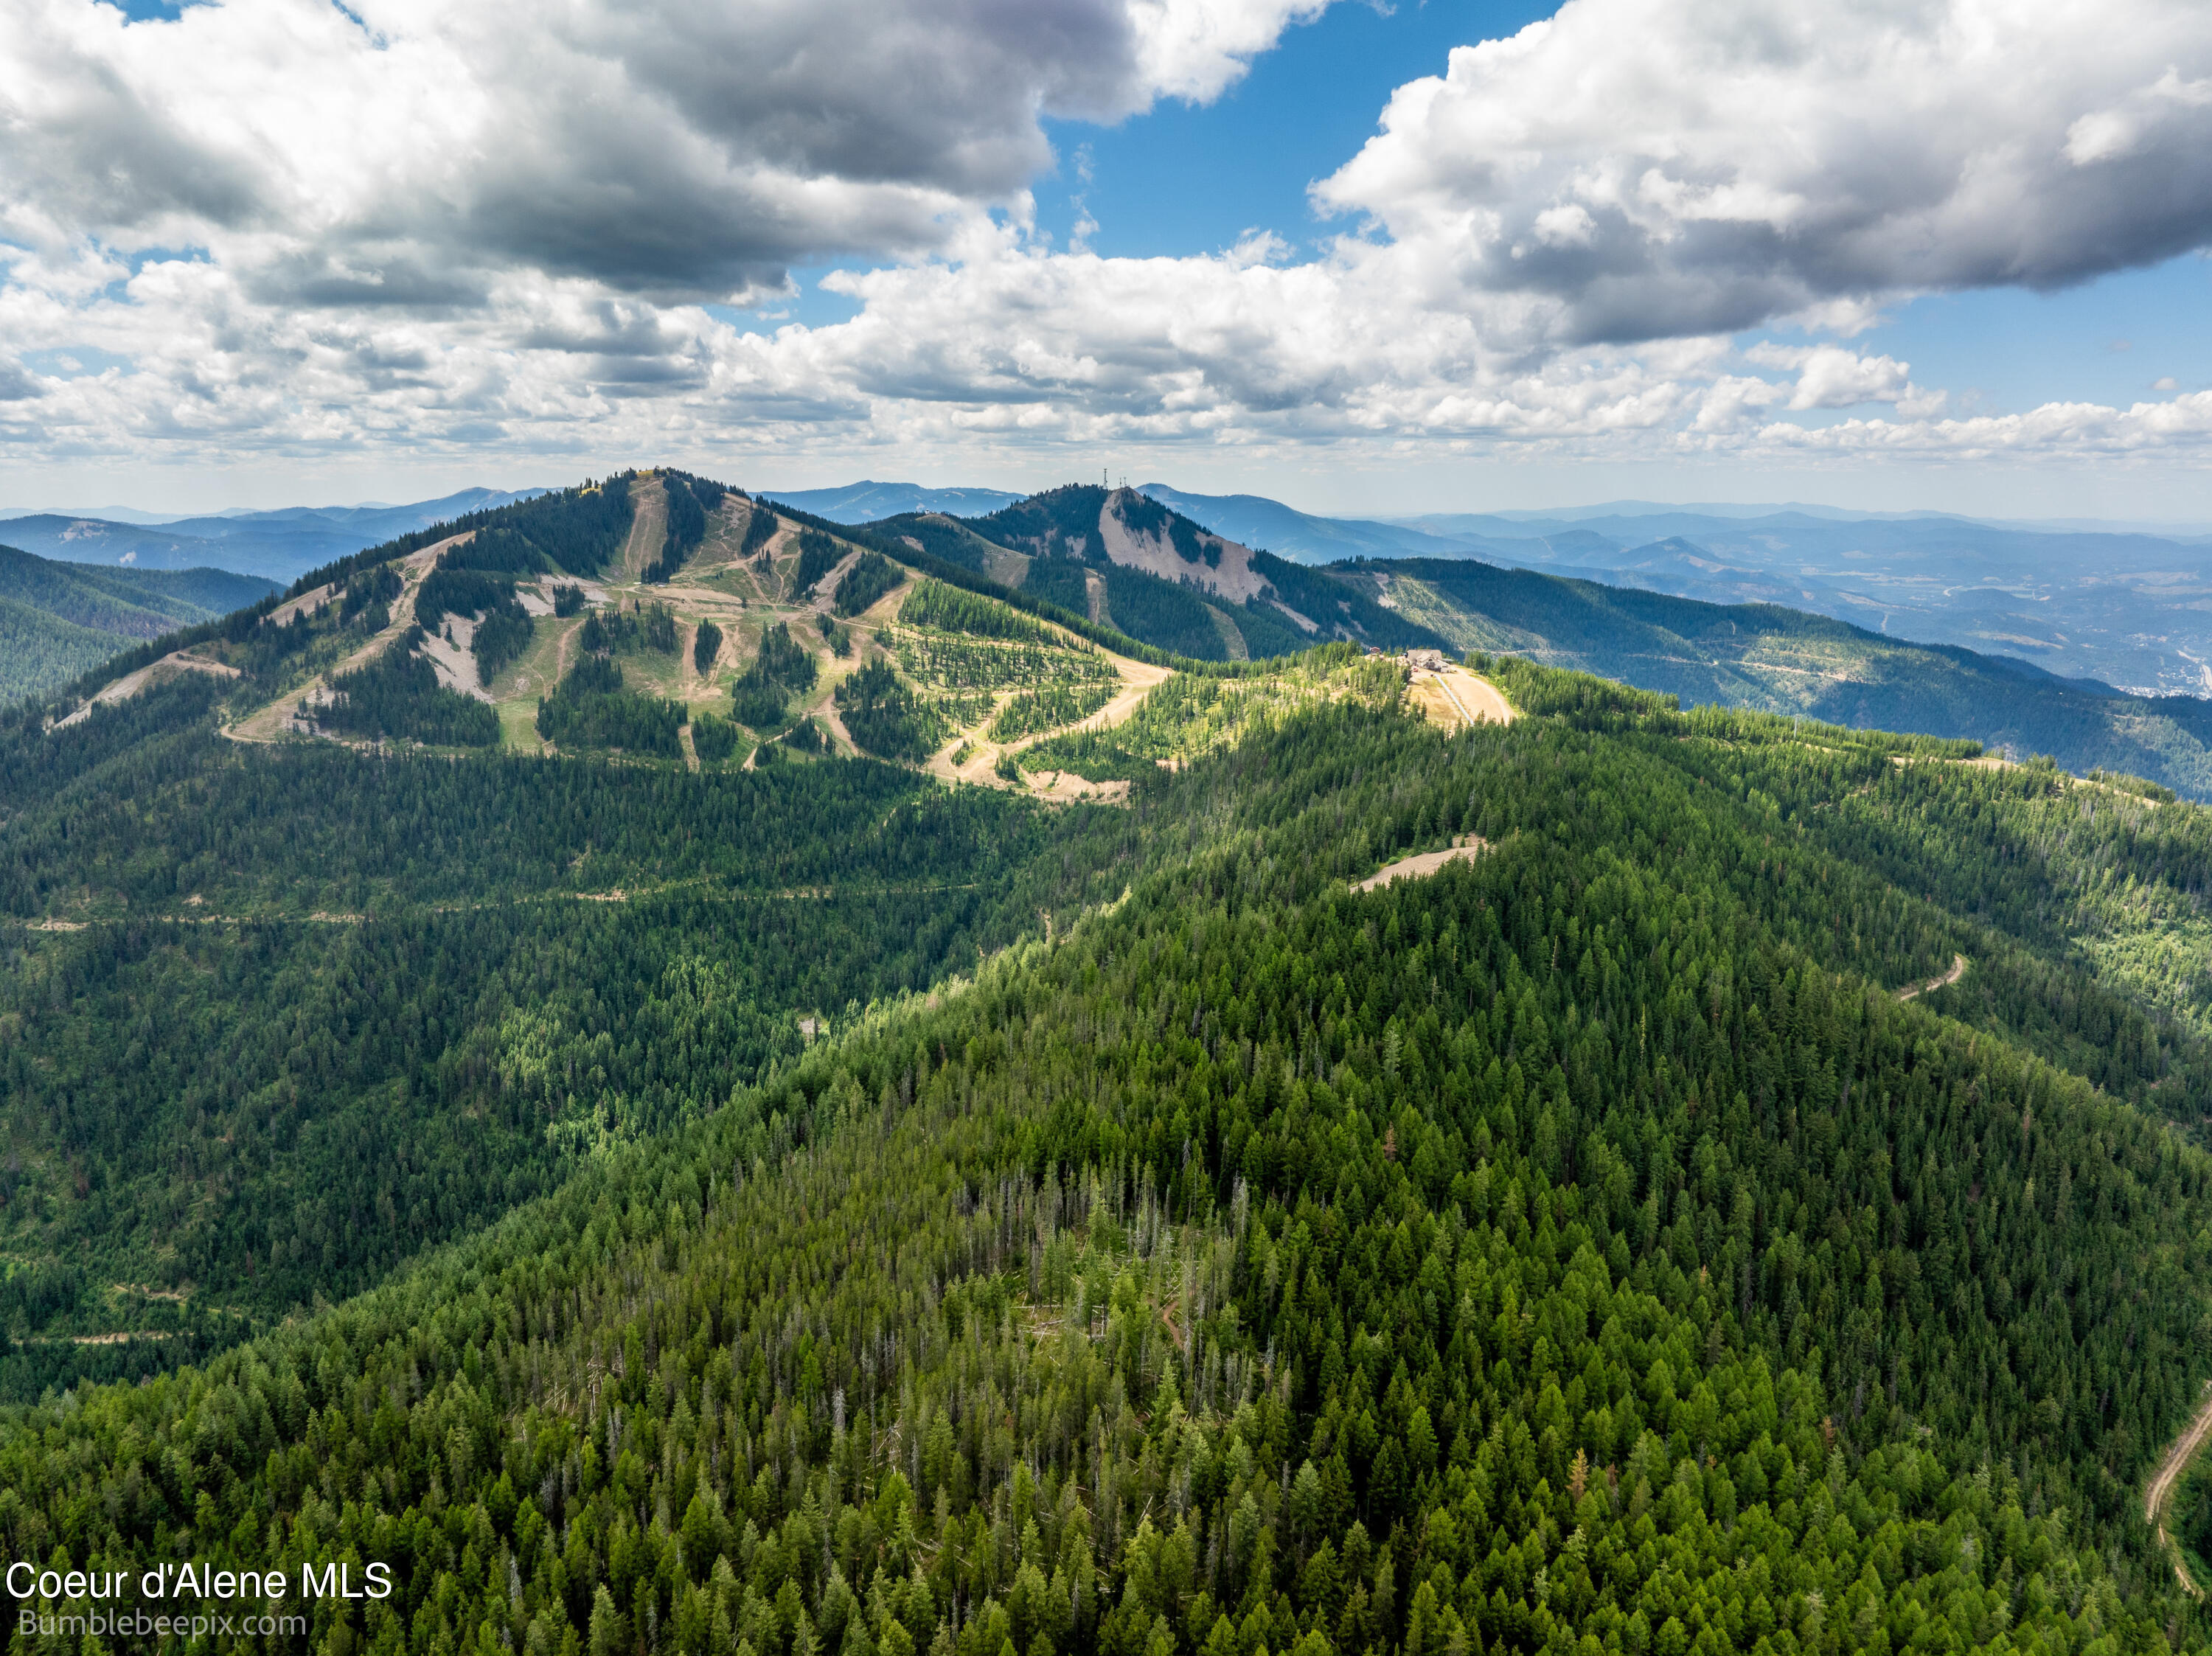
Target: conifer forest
[[757, 1089]]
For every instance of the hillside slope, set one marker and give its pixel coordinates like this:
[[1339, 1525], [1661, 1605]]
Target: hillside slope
[[58, 619], [1582, 1243], [1788, 661], [1128, 562]]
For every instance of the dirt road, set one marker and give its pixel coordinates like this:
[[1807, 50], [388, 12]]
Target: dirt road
[[1139, 680], [2169, 1474], [272, 722], [1911, 991], [177, 661], [648, 527]]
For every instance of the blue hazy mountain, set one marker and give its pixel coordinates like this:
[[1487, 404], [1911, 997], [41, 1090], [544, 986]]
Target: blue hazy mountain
[[866, 502], [2110, 604], [276, 545], [1257, 521]]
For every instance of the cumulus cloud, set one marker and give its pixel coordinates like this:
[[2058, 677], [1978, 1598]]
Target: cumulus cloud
[[415, 226], [405, 152], [2088, 431], [1662, 168], [1833, 376]]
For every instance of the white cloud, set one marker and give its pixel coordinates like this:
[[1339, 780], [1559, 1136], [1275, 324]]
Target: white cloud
[[1831, 377], [2181, 426], [451, 228], [408, 152], [1195, 49], [1725, 162]]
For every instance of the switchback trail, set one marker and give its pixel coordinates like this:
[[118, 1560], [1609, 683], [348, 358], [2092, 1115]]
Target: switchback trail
[[2162, 1487]]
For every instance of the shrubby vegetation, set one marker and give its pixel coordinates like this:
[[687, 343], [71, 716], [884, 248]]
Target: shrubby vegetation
[[642, 627], [39, 649], [1058, 581], [714, 739], [385, 1015], [570, 531], [1171, 617], [1047, 709], [452, 589], [1267, 631], [760, 528], [1147, 516], [499, 638], [691, 502], [1190, 714], [817, 557], [782, 669], [942, 539], [371, 594], [975, 665], [1061, 522], [947, 609]]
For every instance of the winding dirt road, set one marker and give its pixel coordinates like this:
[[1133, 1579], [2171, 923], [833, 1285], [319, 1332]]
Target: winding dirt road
[[2161, 1488], [1139, 680], [1911, 991]]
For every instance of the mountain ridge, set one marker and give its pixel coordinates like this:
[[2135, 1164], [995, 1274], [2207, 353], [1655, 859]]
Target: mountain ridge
[[65, 618], [275, 544]]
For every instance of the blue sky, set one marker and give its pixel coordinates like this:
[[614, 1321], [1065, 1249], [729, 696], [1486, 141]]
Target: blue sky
[[1189, 178], [1194, 178], [1661, 248]]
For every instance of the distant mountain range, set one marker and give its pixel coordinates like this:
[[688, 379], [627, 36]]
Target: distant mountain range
[[1183, 584], [2122, 607], [57, 620], [869, 502], [278, 545], [1787, 661], [2082, 600], [2024, 635]]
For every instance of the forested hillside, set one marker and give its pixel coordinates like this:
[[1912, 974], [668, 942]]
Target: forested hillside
[[1128, 562], [1788, 661], [308, 1015], [57, 620], [1741, 1189], [1581, 1243]]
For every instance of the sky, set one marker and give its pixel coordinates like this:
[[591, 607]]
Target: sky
[[1364, 258]]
